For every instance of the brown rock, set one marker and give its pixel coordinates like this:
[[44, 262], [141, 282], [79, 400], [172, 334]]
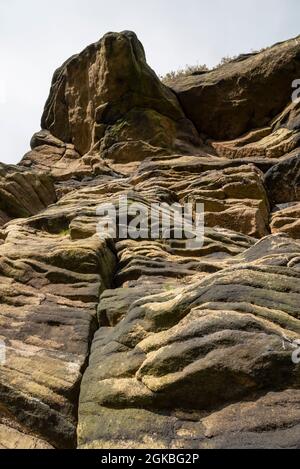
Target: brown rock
[[109, 99], [23, 193], [242, 95], [161, 343], [283, 181], [286, 219], [187, 351]]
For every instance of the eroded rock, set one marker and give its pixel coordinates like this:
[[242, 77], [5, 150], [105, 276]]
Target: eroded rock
[[165, 343], [125, 111], [242, 95], [222, 338], [23, 193]]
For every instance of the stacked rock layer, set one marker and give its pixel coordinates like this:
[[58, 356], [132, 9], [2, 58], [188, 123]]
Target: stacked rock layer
[[138, 343]]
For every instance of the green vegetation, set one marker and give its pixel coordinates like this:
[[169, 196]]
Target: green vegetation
[[184, 72], [189, 70], [64, 232]]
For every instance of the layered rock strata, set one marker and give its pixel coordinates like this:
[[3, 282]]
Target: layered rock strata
[[138, 343]]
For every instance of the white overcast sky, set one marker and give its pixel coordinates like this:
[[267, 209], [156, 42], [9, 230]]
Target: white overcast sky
[[36, 36]]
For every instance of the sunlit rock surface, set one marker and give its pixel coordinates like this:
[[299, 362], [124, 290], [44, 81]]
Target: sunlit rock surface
[[154, 343]]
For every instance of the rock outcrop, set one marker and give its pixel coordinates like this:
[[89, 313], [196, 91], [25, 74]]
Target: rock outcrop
[[107, 102], [137, 343], [242, 95], [23, 193]]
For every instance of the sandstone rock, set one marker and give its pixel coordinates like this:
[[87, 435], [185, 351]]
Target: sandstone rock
[[62, 160], [234, 197], [195, 164], [125, 112], [248, 425], [23, 193], [266, 143], [50, 288], [289, 118], [259, 428], [11, 438], [286, 219], [115, 342], [244, 94], [195, 348], [283, 181]]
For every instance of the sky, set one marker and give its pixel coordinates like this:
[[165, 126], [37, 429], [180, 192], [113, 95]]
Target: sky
[[37, 36]]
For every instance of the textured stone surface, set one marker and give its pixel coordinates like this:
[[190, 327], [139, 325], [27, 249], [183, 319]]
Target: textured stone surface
[[154, 343], [220, 338], [266, 143], [244, 94], [125, 110], [286, 219], [241, 425], [14, 439], [233, 195], [23, 193], [49, 287], [283, 181]]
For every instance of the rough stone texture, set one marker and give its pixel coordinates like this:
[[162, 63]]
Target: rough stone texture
[[49, 288], [61, 159], [266, 143], [244, 94], [23, 193], [124, 109], [234, 196], [247, 425], [283, 181], [281, 137], [14, 439], [160, 343], [219, 339], [286, 219]]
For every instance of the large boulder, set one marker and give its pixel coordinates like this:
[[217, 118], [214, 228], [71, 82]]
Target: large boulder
[[107, 98], [244, 94], [283, 181]]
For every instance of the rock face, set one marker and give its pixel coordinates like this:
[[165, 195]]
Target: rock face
[[125, 111], [23, 193], [160, 343], [285, 219], [242, 95], [283, 181]]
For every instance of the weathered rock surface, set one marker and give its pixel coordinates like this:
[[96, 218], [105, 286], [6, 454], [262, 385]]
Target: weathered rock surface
[[242, 95], [233, 194], [161, 343], [286, 219], [219, 339], [49, 287], [23, 193], [125, 110], [283, 181]]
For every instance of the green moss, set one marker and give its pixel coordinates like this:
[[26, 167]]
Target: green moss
[[64, 232]]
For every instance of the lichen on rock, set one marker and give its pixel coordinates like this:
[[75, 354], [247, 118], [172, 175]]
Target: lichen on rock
[[138, 343]]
